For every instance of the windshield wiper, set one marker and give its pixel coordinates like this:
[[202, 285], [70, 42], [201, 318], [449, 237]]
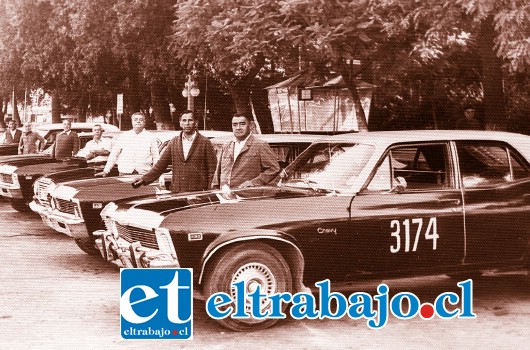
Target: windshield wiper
[[313, 185]]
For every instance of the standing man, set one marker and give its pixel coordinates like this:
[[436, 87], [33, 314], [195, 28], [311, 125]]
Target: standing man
[[98, 148], [192, 158], [468, 122], [12, 134], [28, 141], [135, 150], [246, 161], [66, 142]]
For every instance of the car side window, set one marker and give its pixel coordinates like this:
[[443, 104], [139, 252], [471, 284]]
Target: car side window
[[489, 163], [413, 167]]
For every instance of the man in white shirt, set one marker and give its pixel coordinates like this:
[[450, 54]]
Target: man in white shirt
[[97, 149], [135, 151]]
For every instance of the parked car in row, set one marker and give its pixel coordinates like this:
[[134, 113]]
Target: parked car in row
[[73, 207], [51, 175], [18, 173], [49, 132], [370, 205]]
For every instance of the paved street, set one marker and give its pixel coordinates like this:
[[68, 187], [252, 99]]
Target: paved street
[[55, 296]]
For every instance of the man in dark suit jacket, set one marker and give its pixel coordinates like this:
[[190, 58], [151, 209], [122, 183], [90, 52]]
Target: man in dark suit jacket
[[12, 134], [192, 157], [246, 161], [66, 142]]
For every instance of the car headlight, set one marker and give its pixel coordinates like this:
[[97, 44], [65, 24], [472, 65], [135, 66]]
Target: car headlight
[[77, 208], [14, 177], [165, 244], [111, 207]]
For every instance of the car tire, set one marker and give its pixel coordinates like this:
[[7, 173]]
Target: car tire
[[87, 245], [19, 205], [257, 261]]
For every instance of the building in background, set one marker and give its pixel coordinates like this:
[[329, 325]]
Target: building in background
[[308, 103]]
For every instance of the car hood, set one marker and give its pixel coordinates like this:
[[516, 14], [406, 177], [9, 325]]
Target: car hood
[[74, 174], [51, 165], [102, 189], [22, 160], [209, 211]]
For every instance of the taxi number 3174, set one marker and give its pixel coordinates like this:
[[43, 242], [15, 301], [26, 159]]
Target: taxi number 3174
[[404, 229]]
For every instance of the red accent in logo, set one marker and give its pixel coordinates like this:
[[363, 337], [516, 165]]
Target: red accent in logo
[[427, 311]]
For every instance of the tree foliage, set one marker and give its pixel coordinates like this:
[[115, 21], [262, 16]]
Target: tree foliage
[[427, 57]]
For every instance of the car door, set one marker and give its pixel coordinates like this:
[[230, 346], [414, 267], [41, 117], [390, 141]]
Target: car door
[[409, 217], [496, 185]]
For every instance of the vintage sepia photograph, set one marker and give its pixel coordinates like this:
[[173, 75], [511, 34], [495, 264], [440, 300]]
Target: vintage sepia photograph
[[296, 174]]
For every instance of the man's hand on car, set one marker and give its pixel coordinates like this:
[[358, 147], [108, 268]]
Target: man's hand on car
[[101, 174], [137, 182]]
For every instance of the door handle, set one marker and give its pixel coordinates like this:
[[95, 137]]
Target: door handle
[[449, 201]]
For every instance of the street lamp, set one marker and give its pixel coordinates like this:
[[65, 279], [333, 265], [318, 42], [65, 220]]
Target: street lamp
[[191, 90]]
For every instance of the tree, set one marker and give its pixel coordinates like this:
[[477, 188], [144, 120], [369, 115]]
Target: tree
[[141, 40], [496, 30], [223, 37]]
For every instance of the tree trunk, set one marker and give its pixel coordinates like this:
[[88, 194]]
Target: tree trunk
[[131, 97], [160, 104], [494, 101], [345, 70], [82, 107], [240, 95], [240, 89], [16, 115], [4, 106], [56, 106]]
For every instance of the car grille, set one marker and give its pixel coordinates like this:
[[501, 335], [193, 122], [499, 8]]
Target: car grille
[[65, 206], [41, 191], [7, 178], [134, 234]]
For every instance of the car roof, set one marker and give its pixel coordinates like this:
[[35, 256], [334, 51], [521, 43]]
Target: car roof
[[166, 135], [82, 125], [274, 138], [383, 139], [398, 136]]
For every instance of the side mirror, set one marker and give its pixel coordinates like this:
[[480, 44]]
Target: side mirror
[[400, 185]]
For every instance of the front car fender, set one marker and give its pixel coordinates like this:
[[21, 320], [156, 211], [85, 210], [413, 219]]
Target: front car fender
[[284, 243]]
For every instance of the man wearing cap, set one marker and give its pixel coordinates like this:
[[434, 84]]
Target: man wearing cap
[[66, 143], [135, 151]]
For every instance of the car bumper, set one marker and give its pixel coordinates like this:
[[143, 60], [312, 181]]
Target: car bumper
[[43, 212], [70, 226], [11, 191], [125, 254]]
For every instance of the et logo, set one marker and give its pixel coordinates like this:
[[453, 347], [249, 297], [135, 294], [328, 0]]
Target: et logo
[[156, 304]]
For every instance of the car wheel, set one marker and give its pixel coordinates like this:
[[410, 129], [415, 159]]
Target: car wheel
[[19, 205], [256, 264], [87, 245]]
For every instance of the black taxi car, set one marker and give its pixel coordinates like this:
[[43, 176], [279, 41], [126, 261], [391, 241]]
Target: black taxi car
[[73, 207], [49, 132], [354, 206], [18, 173], [65, 214]]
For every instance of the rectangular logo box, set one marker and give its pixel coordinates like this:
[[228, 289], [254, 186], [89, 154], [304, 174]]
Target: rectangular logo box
[[156, 303]]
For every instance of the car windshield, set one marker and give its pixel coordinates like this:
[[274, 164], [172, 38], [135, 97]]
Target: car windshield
[[328, 166]]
